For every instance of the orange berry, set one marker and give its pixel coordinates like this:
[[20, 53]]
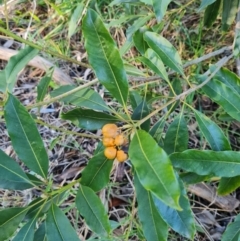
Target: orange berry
[[121, 156], [110, 152], [110, 130], [119, 140], [108, 141]]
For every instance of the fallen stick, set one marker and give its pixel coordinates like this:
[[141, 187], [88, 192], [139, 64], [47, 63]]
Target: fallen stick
[[38, 62], [209, 193]]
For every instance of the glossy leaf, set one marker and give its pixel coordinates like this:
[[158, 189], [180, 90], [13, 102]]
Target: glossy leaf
[[96, 174], [224, 96], [165, 51], [181, 222], [176, 139], [91, 208], [154, 168], [160, 8], [230, 8], [9, 221], [154, 228], [218, 163], [153, 61], [192, 178], [139, 41], [40, 234], [35, 180], [211, 13], [228, 78], [232, 232], [11, 174], [157, 130], [43, 86], [133, 71], [176, 90], [39, 206], [86, 98], [25, 138], [58, 227], [75, 19], [26, 233], [205, 3], [135, 99], [228, 185], [104, 56], [14, 66], [88, 119], [140, 112], [212, 132], [136, 25]]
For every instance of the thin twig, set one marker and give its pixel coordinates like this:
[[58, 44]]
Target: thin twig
[[237, 37]]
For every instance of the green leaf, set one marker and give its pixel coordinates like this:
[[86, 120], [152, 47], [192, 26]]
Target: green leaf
[[160, 8], [43, 86], [153, 61], [232, 233], [227, 77], [192, 178], [175, 90], [181, 222], [154, 228], [157, 130], [10, 219], [228, 185], [154, 168], [86, 98], [26, 233], [91, 208], [25, 138], [75, 19], [11, 175], [58, 227], [40, 234], [140, 112], [35, 180], [139, 41], [88, 119], [96, 174], [211, 13], [218, 163], [135, 99], [212, 132], [205, 3], [132, 70], [230, 8], [224, 96], [137, 24], [176, 139], [104, 56], [165, 51], [39, 206], [14, 66]]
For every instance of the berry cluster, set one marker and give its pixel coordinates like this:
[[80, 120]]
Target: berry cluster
[[113, 141]]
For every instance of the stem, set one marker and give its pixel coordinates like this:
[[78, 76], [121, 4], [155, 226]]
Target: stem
[[189, 91], [36, 46]]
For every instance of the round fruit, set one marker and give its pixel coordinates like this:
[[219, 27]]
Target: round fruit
[[119, 140], [121, 156], [110, 130], [110, 152], [108, 141]]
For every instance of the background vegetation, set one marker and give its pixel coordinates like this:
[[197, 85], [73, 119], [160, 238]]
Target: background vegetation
[[166, 73]]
